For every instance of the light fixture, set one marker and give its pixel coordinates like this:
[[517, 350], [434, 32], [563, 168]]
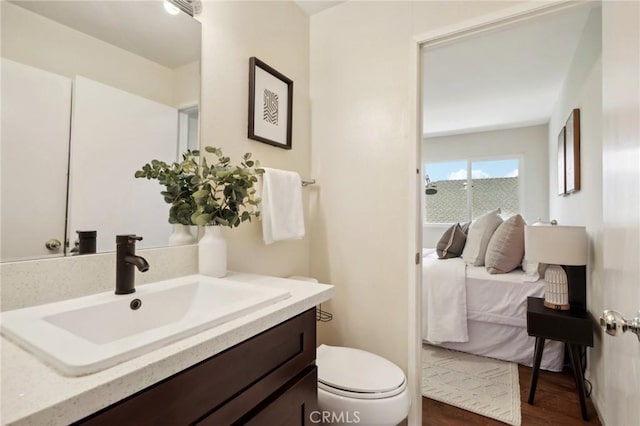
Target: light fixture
[[171, 8], [430, 187], [190, 7], [564, 248]]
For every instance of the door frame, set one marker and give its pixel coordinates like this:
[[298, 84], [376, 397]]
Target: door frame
[[448, 34]]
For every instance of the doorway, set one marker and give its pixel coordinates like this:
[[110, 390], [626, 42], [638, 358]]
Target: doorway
[[452, 144], [188, 129]]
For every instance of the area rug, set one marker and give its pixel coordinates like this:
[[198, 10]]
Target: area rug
[[485, 386]]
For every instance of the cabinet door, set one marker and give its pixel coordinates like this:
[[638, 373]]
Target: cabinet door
[[293, 406]]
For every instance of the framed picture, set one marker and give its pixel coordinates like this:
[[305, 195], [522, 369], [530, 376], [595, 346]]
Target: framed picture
[[270, 105], [562, 181], [572, 150]]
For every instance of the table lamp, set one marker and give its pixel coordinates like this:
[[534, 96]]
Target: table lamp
[[564, 249]]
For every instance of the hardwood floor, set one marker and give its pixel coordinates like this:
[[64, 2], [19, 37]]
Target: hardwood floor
[[556, 404]]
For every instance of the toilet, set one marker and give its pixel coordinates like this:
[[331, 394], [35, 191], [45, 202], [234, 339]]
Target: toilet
[[358, 387]]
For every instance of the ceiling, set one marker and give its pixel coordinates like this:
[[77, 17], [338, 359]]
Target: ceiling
[[504, 78], [141, 27], [311, 7]]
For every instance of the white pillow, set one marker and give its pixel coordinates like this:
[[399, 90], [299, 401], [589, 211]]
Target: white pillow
[[533, 271], [427, 251], [478, 238]]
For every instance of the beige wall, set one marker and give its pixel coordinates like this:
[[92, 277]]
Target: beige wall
[[582, 89], [34, 40], [361, 152], [186, 85], [278, 34]]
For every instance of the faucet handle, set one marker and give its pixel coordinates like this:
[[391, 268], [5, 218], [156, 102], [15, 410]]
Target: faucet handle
[[127, 239]]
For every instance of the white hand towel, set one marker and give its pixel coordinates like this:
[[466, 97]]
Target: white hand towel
[[281, 211]]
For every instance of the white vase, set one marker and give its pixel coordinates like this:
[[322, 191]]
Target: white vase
[[212, 253], [181, 235]]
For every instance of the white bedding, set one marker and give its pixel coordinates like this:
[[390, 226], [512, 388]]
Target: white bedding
[[508, 343], [444, 298], [496, 314], [499, 298]]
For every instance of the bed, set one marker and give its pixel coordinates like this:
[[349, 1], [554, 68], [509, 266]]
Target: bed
[[492, 308]]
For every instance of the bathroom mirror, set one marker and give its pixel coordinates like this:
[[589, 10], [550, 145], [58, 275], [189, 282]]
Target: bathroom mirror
[[91, 91]]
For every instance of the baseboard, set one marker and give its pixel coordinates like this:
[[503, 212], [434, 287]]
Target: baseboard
[[598, 412], [594, 399]]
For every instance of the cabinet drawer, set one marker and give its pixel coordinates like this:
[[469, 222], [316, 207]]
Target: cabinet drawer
[[567, 326], [253, 369]]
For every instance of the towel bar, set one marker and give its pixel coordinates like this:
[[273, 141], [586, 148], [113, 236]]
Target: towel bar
[[306, 182]]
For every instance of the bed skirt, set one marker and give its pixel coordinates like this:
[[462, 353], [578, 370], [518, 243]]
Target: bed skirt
[[508, 343]]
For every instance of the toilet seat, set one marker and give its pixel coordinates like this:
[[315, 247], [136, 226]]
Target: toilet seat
[[354, 373]]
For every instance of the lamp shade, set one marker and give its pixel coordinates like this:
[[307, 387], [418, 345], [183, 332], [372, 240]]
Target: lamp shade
[[556, 245]]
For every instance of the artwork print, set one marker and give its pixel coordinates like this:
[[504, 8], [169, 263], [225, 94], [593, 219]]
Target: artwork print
[[270, 105], [572, 149], [562, 183]]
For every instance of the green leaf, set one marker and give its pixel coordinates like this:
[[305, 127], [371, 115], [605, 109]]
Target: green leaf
[[221, 221], [203, 193], [200, 219], [214, 150]]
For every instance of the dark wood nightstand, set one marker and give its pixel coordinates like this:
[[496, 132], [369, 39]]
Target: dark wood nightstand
[[572, 328]]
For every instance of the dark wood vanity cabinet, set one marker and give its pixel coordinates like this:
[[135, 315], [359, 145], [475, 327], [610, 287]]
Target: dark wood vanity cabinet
[[269, 379]]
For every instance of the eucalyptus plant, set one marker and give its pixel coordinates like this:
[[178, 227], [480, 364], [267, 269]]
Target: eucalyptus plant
[[180, 180], [226, 193]]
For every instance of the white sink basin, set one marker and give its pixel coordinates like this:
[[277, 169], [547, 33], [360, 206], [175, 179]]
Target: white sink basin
[[88, 334]]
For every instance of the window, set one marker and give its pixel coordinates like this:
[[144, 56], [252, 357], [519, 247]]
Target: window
[[460, 191]]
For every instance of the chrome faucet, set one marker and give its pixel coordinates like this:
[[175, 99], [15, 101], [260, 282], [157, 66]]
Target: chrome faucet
[[126, 259]]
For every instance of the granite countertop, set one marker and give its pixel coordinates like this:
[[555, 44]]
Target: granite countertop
[[35, 394]]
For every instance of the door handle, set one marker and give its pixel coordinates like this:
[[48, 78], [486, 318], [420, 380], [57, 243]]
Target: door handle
[[53, 244], [615, 324]]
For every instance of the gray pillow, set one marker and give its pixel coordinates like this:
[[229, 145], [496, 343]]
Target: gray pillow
[[506, 248], [451, 243]]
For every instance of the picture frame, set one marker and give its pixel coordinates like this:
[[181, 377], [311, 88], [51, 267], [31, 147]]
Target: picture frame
[[562, 181], [572, 152], [270, 105]]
